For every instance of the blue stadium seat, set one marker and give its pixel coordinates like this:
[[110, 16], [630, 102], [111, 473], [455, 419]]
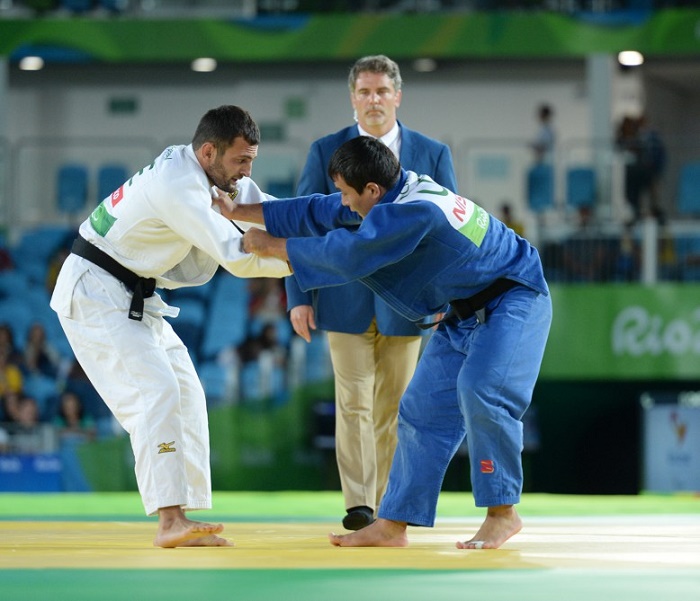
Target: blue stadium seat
[[540, 187], [216, 381], [72, 188], [688, 256], [189, 324], [32, 253], [16, 313], [13, 282], [580, 187], [689, 189], [227, 316]]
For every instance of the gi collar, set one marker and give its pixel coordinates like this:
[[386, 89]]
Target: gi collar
[[393, 193]]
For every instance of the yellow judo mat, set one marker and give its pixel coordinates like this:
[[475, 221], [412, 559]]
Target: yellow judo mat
[[619, 555]]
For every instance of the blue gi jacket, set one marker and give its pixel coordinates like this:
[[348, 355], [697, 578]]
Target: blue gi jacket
[[350, 309], [418, 248]]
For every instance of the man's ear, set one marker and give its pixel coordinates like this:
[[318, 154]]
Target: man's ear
[[208, 151], [374, 189]]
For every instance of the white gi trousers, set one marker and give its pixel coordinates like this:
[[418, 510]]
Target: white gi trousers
[[143, 372]]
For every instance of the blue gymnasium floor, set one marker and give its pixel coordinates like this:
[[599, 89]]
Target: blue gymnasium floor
[[572, 548]]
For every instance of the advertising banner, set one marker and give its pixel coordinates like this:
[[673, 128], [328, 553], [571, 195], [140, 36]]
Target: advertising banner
[[624, 332], [671, 442], [30, 473]]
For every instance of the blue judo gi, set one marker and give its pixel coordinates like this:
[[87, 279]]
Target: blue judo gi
[[420, 247]]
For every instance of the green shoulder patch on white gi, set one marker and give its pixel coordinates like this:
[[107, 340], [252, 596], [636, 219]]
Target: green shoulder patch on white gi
[[101, 220], [468, 218]]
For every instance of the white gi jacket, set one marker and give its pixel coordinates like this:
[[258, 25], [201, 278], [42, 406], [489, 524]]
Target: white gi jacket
[[160, 224]]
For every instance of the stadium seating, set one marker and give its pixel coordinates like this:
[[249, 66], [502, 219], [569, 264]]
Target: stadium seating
[[580, 187], [689, 190], [72, 187], [540, 187]]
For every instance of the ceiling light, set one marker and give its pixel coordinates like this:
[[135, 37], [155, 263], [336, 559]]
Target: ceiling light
[[630, 58], [204, 65], [31, 63]]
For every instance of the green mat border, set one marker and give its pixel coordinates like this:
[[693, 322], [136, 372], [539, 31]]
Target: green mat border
[[348, 585], [323, 505]]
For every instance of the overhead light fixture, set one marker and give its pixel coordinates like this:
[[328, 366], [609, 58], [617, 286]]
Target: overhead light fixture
[[425, 65], [31, 63], [630, 58], [204, 65]]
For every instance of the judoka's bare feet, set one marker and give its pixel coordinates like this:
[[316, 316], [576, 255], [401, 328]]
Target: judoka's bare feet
[[175, 530], [500, 524], [380, 533], [210, 540]]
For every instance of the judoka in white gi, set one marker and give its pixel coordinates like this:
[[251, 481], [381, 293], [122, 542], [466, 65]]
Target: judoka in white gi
[[161, 229], [423, 249]]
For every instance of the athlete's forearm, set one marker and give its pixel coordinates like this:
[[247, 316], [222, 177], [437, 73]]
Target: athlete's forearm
[[251, 213]]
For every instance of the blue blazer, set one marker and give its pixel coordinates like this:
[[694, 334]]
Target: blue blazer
[[350, 308]]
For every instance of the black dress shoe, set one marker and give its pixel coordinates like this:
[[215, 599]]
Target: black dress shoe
[[358, 517]]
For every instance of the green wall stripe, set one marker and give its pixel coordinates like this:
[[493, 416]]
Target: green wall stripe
[[338, 36]]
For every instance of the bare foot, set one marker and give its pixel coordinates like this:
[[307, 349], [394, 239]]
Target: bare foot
[[380, 533], [500, 524], [208, 541], [188, 533], [175, 530]]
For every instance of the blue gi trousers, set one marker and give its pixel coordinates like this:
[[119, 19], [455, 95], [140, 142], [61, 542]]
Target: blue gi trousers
[[474, 380]]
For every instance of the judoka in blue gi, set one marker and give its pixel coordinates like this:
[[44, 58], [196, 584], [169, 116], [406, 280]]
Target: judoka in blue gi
[[424, 250]]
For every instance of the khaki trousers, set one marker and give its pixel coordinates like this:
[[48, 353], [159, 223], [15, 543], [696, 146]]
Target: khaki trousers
[[371, 372]]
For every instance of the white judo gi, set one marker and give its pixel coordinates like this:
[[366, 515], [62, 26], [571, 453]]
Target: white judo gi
[[160, 224]]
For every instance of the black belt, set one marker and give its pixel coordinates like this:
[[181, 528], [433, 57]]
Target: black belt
[[474, 305], [141, 287]]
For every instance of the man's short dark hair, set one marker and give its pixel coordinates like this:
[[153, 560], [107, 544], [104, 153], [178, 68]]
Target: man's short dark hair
[[363, 160], [221, 126]]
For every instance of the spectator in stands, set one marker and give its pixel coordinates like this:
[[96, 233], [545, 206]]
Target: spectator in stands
[[38, 356], [71, 421], [268, 299], [545, 139], [7, 343], [11, 380], [27, 412], [27, 435], [74, 428], [10, 406], [509, 219], [6, 262], [266, 342], [77, 382], [4, 441], [645, 160]]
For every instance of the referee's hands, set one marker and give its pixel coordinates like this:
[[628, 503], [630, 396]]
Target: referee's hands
[[303, 320]]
